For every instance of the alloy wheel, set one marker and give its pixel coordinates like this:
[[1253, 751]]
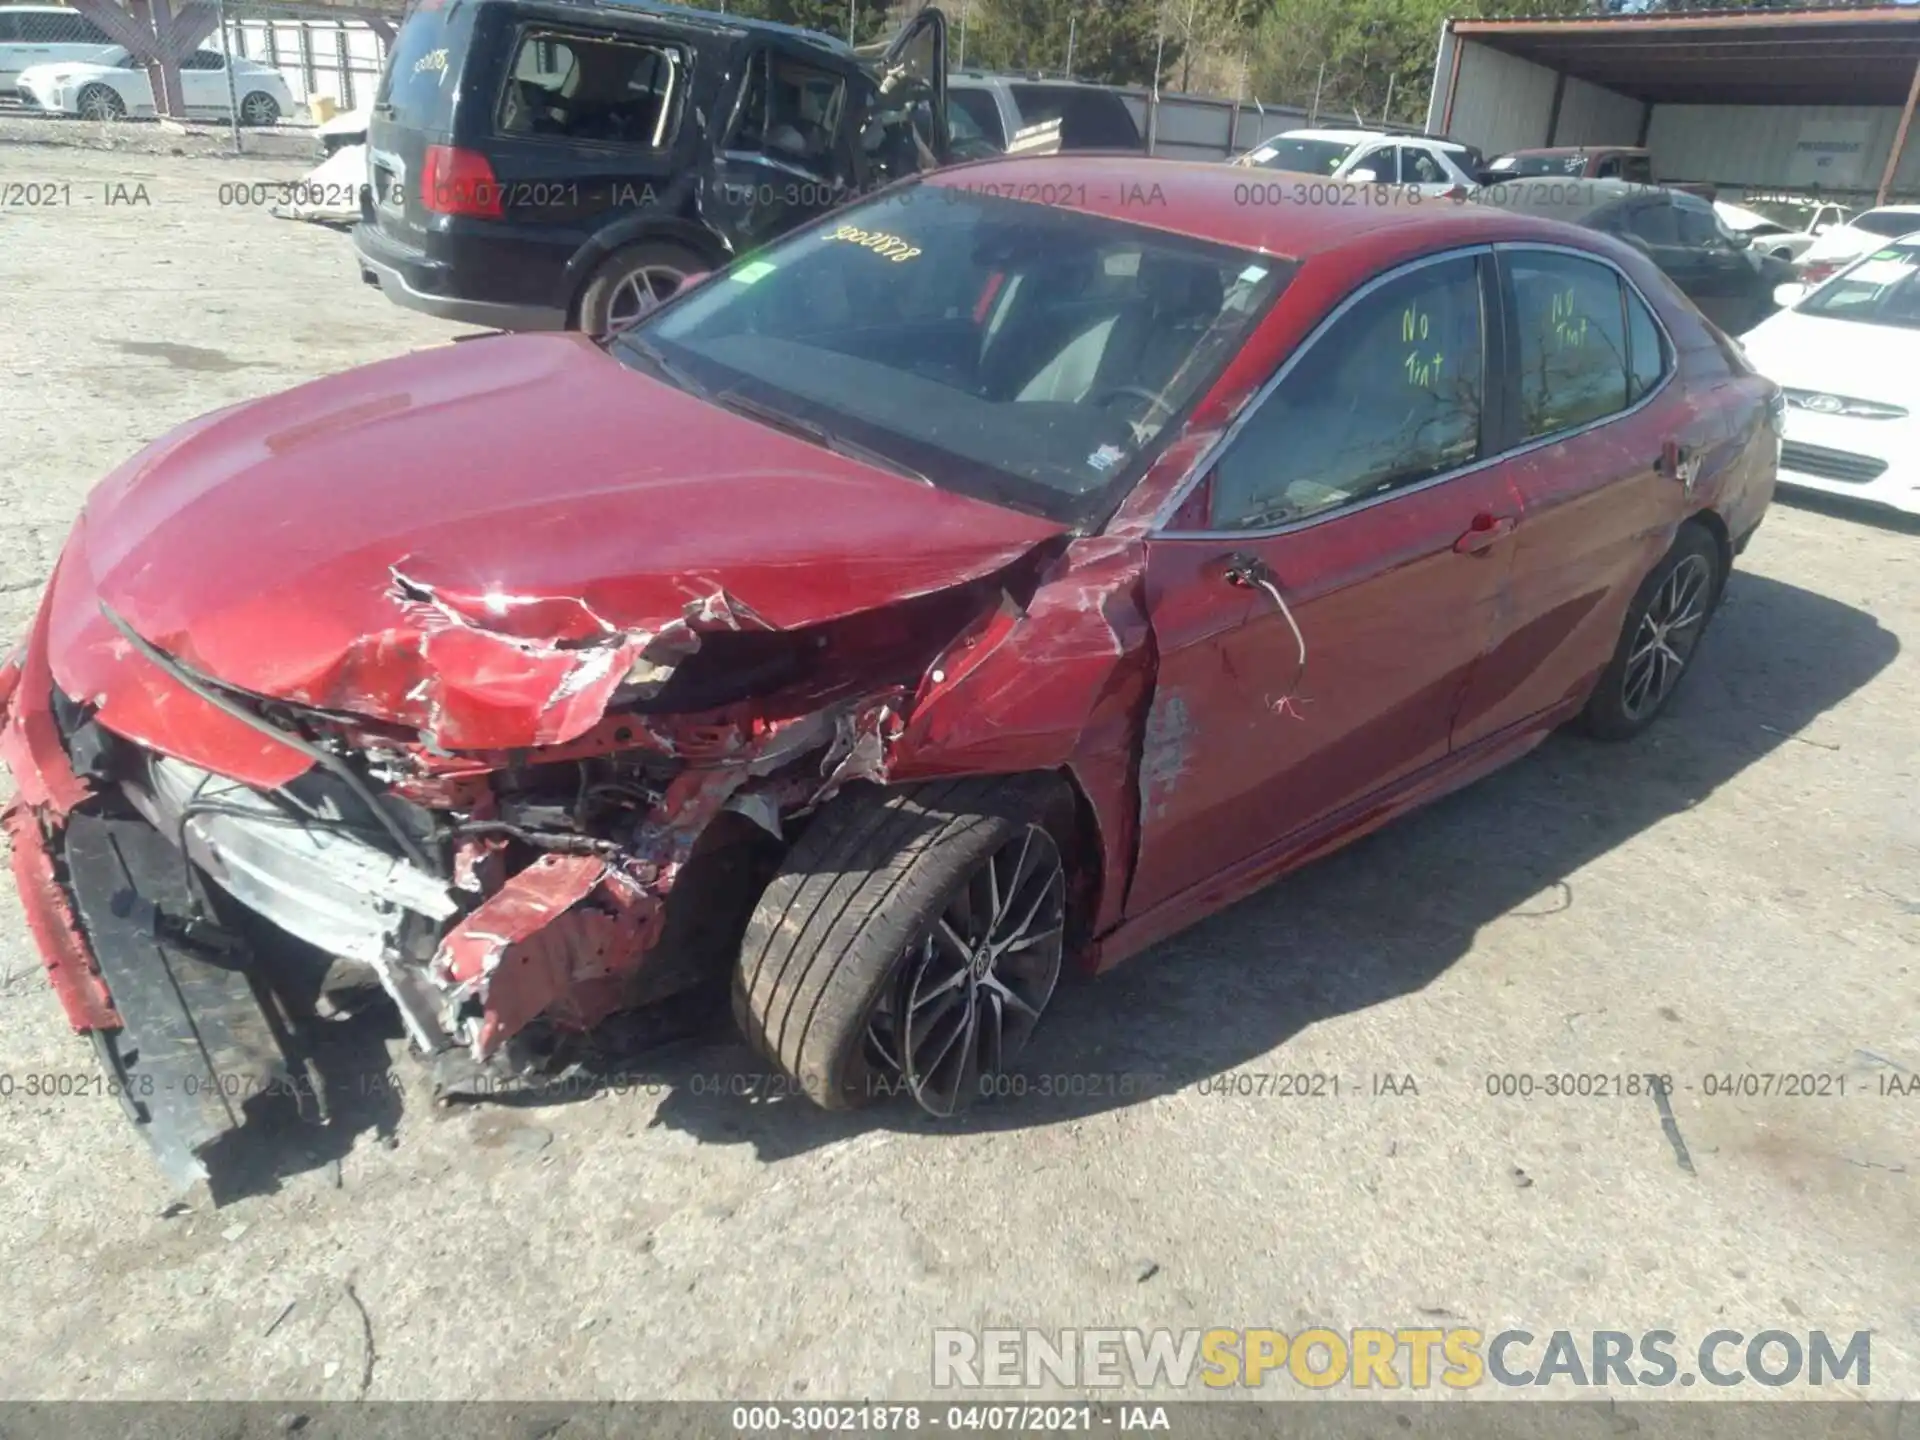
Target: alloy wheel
[[969, 993], [99, 103], [638, 292], [259, 110], [1667, 633]]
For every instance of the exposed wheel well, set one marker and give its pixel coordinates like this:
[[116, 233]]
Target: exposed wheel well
[[1710, 521]]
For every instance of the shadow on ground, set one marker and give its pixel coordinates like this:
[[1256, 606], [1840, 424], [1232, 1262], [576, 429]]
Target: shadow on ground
[[1378, 920]]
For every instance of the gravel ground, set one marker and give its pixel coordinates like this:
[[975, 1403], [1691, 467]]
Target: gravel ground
[[1737, 892]]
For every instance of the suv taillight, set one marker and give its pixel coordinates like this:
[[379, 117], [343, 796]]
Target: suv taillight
[[1817, 271], [459, 182]]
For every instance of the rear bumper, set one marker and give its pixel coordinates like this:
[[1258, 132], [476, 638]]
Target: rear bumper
[[412, 279]]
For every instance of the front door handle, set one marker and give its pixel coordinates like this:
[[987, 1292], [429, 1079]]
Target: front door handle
[[1481, 536], [1679, 462]]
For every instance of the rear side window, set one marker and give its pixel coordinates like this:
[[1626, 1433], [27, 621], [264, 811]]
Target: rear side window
[[1417, 167], [424, 65], [1389, 396], [1089, 119], [592, 88], [9, 27], [1572, 357], [1638, 169], [979, 107], [1646, 348]]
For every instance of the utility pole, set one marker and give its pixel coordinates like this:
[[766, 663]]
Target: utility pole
[[1072, 20], [1314, 114], [852, 6]]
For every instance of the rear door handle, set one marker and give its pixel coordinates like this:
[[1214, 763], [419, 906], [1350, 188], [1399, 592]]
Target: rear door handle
[[1486, 530]]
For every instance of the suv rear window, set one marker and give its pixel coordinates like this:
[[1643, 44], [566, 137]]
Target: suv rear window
[[424, 66], [1089, 119]]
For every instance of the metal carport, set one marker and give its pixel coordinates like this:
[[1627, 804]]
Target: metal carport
[[1709, 88]]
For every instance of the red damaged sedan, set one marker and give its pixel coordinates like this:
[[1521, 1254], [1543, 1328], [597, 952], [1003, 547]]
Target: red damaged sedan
[[961, 587]]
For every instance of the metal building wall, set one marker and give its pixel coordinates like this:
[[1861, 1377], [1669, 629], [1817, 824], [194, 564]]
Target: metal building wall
[[1500, 102], [1594, 115], [1760, 147]]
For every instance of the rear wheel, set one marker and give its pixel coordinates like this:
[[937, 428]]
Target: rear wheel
[[259, 109], [101, 102], [631, 282], [911, 940], [1657, 643]]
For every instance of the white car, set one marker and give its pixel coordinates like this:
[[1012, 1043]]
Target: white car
[[1780, 228], [1369, 157], [1847, 354], [108, 88], [1843, 244], [43, 35]]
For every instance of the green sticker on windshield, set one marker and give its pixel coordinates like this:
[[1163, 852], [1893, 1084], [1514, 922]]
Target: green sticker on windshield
[[751, 271], [1887, 254]]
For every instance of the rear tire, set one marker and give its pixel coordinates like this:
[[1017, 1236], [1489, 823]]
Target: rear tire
[[259, 110], [1669, 614], [630, 282], [910, 941], [100, 102]]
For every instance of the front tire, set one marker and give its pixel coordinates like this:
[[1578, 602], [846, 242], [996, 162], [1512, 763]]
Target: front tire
[[100, 102], [911, 940], [1664, 624], [629, 283]]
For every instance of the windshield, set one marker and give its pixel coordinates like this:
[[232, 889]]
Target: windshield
[[1883, 289], [1303, 157], [1020, 353], [1525, 165]]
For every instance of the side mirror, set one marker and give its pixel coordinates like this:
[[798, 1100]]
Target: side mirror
[[1790, 294], [1740, 241], [1364, 176]]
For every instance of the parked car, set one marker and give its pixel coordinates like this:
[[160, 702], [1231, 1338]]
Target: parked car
[[1841, 245], [1784, 229], [1428, 164], [1731, 281], [541, 164], [1847, 355], [1000, 107], [112, 88], [44, 35], [1630, 163], [959, 587]]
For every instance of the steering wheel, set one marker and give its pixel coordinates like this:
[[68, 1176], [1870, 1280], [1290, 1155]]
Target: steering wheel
[[1125, 392]]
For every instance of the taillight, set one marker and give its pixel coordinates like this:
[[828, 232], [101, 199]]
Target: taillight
[[459, 182], [1818, 270]]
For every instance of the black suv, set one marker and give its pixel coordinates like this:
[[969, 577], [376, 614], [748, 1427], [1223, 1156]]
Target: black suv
[[553, 164]]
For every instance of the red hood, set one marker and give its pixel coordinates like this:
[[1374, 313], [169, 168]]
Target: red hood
[[477, 540]]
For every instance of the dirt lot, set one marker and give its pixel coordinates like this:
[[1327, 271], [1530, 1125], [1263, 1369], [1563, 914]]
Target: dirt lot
[[1739, 892]]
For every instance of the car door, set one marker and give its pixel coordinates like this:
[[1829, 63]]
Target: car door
[[1320, 599], [1727, 287], [787, 148], [1594, 419], [1653, 224], [903, 121], [586, 131], [203, 83]]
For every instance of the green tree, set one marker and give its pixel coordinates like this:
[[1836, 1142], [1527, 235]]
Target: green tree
[[1114, 41]]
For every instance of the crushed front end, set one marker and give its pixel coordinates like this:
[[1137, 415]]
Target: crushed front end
[[195, 899]]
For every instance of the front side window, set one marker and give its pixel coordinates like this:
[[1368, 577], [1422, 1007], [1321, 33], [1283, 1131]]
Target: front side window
[[1388, 396], [1700, 228], [789, 113], [1021, 353], [979, 106], [1655, 223], [202, 60], [1381, 163], [591, 88], [1572, 357], [1638, 169]]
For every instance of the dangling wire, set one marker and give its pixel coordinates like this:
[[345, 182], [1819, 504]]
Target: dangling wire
[[1285, 704]]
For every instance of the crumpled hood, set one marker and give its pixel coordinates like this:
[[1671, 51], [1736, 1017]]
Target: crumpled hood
[[483, 541]]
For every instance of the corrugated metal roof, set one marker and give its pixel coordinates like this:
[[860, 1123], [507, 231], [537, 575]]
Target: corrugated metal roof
[[1853, 54]]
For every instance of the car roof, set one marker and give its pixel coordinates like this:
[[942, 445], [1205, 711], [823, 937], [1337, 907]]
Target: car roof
[[1553, 151], [1889, 210], [1207, 201], [710, 21], [1574, 201]]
